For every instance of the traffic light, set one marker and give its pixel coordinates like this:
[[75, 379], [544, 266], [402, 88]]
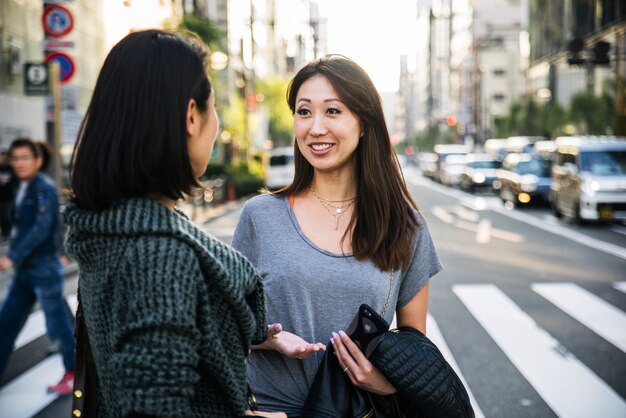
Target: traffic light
[[451, 120], [600, 53], [575, 48]]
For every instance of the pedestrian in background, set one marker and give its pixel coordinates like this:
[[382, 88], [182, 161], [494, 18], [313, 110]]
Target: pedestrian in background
[[34, 255], [345, 232], [46, 157], [7, 190], [170, 311]]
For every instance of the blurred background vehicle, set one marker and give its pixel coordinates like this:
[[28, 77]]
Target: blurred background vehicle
[[444, 150], [522, 144], [589, 178], [427, 162], [479, 172], [451, 168], [496, 147], [522, 179], [544, 149], [280, 168]]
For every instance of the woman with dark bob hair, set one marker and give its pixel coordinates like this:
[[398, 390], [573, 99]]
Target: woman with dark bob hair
[[170, 312], [345, 232]]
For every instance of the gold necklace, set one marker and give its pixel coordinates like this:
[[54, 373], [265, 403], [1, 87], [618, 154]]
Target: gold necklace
[[336, 211]]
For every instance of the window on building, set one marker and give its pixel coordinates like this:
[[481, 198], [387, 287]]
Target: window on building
[[499, 98], [499, 73]]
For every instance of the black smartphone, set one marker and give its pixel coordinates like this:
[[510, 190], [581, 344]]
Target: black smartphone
[[366, 325]]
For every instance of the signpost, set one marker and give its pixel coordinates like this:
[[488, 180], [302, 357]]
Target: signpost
[[57, 22]]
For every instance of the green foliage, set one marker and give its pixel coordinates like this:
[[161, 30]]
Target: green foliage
[[204, 29], [280, 118], [592, 114], [425, 141], [215, 169], [587, 114], [525, 118], [246, 178]]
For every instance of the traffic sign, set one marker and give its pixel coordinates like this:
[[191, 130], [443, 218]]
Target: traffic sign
[[36, 79], [56, 44], [57, 21], [66, 63]]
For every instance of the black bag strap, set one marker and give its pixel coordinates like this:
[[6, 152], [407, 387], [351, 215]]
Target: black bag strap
[[85, 386]]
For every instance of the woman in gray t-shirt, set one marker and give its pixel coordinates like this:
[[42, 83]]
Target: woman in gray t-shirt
[[345, 232]]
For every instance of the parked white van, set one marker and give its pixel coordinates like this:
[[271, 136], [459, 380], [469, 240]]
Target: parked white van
[[279, 168], [589, 178]]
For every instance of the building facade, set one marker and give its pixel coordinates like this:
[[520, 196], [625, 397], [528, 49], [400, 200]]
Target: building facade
[[578, 46]]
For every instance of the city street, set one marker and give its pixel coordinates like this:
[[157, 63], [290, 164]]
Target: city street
[[529, 310]]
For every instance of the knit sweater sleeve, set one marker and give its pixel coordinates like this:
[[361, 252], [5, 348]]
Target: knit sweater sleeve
[[155, 364]]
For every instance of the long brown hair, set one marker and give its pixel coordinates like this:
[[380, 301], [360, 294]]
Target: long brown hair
[[384, 220]]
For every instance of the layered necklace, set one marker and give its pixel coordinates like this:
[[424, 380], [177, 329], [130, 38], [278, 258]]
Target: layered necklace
[[335, 207]]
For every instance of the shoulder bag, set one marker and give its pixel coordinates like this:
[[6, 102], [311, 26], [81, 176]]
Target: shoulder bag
[[85, 376], [427, 386]]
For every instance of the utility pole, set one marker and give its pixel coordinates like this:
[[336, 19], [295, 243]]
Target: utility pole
[[620, 108], [53, 126]]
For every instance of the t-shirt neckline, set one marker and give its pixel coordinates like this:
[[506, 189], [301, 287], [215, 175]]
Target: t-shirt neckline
[[305, 238]]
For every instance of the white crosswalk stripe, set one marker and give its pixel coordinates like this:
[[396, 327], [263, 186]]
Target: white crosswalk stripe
[[566, 385], [590, 310], [620, 286], [434, 334], [25, 396], [547, 366]]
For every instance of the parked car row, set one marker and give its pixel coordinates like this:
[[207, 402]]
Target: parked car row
[[582, 178]]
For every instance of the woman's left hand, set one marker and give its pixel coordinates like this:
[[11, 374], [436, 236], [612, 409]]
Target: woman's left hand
[[359, 369]]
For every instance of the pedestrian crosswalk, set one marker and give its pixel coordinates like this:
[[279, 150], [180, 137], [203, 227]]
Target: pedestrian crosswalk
[[26, 395], [568, 386]]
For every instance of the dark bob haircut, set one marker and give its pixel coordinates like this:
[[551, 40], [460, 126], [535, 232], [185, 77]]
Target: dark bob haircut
[[383, 221], [133, 139]]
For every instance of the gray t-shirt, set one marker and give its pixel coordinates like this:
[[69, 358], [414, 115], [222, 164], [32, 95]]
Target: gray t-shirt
[[313, 292]]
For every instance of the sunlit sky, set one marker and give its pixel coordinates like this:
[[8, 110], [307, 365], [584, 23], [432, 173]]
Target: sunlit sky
[[374, 33]]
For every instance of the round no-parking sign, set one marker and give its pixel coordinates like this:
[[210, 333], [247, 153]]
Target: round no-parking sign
[[57, 21], [65, 62]]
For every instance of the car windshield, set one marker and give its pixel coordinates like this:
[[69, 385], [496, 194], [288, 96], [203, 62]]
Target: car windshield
[[540, 168], [486, 164], [604, 163], [281, 159]]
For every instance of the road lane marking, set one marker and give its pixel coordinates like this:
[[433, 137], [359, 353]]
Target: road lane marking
[[569, 387], [620, 286], [442, 214], [566, 233], [26, 395], [466, 214], [590, 242], [602, 318], [483, 231], [497, 233], [434, 333], [619, 229]]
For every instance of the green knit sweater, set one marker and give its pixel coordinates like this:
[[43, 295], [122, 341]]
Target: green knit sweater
[[170, 311]]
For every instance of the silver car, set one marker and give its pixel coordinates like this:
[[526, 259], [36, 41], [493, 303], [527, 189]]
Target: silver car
[[589, 178]]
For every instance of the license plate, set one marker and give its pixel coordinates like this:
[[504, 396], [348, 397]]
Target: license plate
[[606, 213]]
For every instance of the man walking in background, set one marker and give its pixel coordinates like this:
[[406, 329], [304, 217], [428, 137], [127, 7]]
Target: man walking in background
[[34, 255]]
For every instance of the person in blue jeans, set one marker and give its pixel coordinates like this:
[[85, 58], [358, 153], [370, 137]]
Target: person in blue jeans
[[34, 256]]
